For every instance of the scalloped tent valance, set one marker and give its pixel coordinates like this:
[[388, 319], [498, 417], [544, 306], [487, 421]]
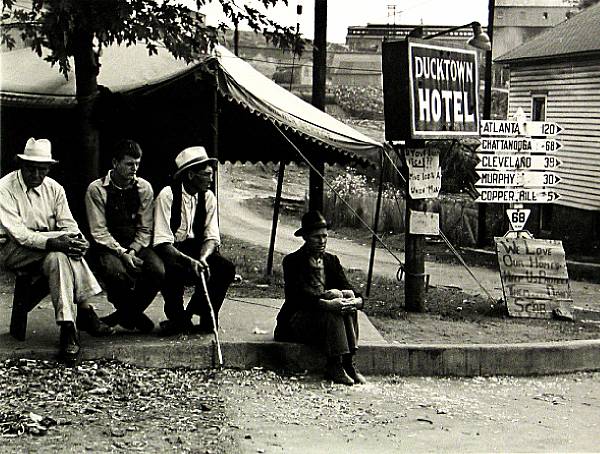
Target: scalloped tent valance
[[247, 96]]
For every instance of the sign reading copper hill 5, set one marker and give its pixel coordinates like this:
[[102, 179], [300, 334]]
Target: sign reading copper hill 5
[[441, 86]]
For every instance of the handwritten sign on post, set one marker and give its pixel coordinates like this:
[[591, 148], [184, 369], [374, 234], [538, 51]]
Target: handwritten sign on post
[[534, 277], [424, 172]]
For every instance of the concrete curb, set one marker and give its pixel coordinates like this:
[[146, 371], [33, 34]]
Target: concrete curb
[[457, 360]]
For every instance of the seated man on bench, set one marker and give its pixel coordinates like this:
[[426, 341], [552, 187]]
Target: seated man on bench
[[40, 233], [320, 305]]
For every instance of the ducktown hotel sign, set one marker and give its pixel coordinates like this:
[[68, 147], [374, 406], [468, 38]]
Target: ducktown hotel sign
[[430, 92]]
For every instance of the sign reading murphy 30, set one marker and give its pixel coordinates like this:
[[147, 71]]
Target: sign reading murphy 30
[[441, 84]]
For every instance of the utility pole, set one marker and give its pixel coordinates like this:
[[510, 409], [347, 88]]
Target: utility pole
[[414, 245], [315, 183], [487, 115]]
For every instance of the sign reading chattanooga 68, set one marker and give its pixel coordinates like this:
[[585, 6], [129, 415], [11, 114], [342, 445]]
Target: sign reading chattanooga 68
[[441, 84], [534, 276]]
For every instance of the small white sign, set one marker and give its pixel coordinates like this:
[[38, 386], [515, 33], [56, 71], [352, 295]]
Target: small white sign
[[517, 178], [518, 217], [522, 161], [421, 223], [519, 128], [424, 172], [518, 145], [516, 195]]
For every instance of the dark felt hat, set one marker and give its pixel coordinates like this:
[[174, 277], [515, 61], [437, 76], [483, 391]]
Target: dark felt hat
[[311, 220]]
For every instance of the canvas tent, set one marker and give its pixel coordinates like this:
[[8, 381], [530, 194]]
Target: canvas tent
[[166, 104]]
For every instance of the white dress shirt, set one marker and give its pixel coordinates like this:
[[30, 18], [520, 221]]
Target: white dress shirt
[[162, 217], [32, 215]]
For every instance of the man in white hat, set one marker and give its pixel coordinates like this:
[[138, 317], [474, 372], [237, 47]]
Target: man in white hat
[[38, 232], [186, 237]]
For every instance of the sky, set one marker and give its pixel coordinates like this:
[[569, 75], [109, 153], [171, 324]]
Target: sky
[[344, 13]]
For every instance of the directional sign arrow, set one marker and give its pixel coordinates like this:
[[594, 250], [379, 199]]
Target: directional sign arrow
[[518, 144], [519, 128], [503, 195], [522, 161], [517, 178]]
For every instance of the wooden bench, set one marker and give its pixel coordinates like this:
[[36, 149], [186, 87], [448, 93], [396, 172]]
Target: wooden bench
[[30, 289]]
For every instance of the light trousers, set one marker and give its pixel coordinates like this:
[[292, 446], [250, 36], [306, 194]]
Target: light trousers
[[71, 281]]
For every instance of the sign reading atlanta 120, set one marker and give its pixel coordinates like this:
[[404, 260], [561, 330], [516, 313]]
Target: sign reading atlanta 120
[[442, 89]]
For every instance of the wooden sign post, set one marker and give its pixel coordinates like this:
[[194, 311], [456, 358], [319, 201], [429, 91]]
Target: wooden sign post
[[430, 93]]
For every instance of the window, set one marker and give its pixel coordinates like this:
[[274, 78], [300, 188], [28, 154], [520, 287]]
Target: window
[[538, 107]]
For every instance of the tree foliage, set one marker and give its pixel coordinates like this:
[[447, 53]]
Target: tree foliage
[[587, 3], [56, 25]]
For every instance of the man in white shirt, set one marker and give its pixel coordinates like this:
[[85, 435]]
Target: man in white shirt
[[186, 237], [38, 232], [120, 209]]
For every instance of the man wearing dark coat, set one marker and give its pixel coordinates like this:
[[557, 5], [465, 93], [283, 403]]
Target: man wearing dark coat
[[320, 306]]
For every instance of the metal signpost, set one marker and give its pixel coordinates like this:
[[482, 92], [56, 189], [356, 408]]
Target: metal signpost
[[517, 166]]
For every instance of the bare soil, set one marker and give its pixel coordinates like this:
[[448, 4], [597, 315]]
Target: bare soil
[[451, 316]]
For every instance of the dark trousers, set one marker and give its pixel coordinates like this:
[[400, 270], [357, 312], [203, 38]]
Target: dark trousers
[[130, 293], [178, 274], [334, 333]]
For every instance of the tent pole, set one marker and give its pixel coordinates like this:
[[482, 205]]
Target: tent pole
[[215, 134], [375, 226], [275, 217]]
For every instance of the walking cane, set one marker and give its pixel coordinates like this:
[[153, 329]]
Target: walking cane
[[213, 318]]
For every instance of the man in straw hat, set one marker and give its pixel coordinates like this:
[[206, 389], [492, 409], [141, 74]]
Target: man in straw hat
[[38, 232], [186, 237], [320, 305], [120, 212]]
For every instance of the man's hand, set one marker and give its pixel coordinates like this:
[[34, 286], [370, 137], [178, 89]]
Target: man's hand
[[72, 244], [132, 263], [199, 267], [339, 305]]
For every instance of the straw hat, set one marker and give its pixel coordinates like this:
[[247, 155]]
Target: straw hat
[[190, 157], [39, 150]]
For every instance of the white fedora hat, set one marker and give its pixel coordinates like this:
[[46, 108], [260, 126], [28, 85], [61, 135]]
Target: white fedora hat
[[39, 150], [190, 157]]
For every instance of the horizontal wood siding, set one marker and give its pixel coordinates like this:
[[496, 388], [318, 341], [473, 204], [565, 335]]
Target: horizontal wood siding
[[573, 101]]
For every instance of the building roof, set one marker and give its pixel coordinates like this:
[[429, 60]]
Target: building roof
[[534, 3], [576, 36]]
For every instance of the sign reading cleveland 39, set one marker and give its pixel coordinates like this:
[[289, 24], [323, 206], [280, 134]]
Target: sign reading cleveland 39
[[430, 92]]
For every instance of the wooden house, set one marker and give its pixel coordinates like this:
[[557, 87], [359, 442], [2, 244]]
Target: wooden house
[[556, 77]]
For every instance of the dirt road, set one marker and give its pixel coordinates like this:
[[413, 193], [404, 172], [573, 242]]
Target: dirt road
[[245, 224], [390, 415]]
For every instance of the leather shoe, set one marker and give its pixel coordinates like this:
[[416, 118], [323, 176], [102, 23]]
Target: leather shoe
[[69, 344], [355, 375], [172, 328], [336, 373], [143, 323], [87, 320], [117, 318]]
